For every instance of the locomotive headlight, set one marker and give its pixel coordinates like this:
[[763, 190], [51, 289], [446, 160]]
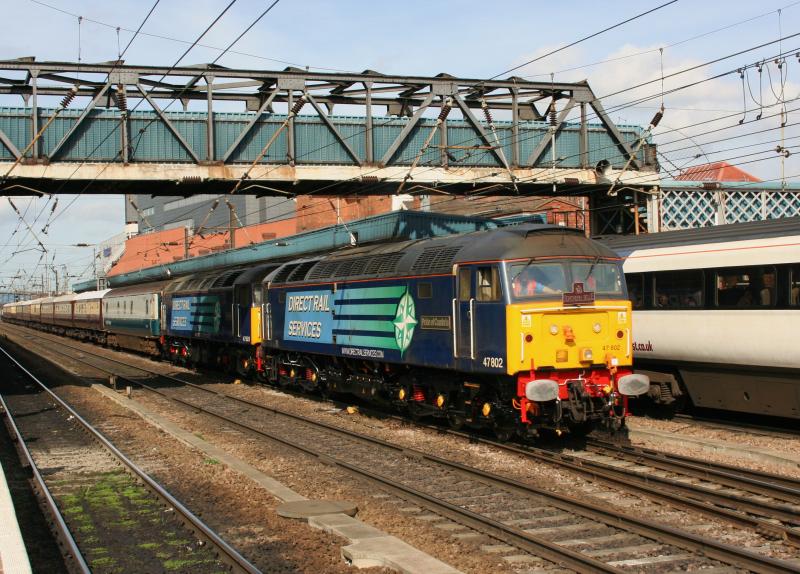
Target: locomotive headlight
[[486, 410], [596, 327], [401, 394], [586, 354], [440, 401], [554, 329], [292, 373]]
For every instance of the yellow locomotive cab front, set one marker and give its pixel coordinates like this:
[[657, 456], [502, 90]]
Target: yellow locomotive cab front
[[569, 343], [545, 335]]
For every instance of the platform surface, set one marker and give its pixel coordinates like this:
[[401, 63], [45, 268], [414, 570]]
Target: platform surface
[[13, 556]]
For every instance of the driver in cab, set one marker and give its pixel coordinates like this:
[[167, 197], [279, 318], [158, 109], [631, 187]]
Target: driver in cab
[[531, 282]]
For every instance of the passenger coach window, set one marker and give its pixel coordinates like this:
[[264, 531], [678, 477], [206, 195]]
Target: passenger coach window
[[488, 284], [794, 296], [746, 287], [636, 289], [464, 287], [678, 289]]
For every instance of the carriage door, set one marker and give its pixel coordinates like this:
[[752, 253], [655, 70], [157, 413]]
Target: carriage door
[[463, 306]]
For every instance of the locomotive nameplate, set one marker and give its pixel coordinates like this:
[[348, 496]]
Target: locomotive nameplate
[[578, 296], [435, 322]]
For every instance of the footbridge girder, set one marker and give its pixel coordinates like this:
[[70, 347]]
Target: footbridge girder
[[275, 132]]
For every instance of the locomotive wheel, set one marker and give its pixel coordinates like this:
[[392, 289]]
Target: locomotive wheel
[[455, 421], [503, 433], [414, 412]]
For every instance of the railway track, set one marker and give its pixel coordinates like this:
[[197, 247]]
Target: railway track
[[549, 529], [108, 515], [721, 423]]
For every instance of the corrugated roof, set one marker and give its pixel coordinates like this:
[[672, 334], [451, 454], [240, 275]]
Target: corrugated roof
[[394, 226]]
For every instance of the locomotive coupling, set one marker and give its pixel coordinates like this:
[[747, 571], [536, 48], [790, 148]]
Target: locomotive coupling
[[633, 385]]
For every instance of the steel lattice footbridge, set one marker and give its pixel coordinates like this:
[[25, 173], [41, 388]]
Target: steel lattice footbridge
[[111, 127]]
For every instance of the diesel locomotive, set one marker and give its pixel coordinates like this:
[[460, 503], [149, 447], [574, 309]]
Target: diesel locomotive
[[516, 329]]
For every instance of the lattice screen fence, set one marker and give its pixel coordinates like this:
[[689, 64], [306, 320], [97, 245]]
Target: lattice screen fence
[[682, 209]]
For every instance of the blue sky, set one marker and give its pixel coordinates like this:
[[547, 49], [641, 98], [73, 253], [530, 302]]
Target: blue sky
[[475, 39]]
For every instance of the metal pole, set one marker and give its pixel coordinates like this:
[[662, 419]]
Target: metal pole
[[34, 112], [210, 119], [368, 134], [514, 128], [290, 129], [231, 223]]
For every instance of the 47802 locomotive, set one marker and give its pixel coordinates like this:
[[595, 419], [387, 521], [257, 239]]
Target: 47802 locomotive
[[515, 329]]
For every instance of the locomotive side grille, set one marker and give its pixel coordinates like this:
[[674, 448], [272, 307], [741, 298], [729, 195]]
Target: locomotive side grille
[[435, 258], [284, 273], [227, 279], [323, 270], [361, 266], [350, 268], [301, 271], [380, 264]]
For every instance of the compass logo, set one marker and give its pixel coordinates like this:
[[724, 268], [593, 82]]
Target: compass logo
[[404, 322]]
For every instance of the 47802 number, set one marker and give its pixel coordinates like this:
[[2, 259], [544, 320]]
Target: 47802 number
[[493, 362]]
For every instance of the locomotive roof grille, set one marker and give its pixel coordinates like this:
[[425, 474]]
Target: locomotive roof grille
[[357, 266], [323, 270], [380, 264], [226, 279], [284, 273], [301, 271], [435, 258]]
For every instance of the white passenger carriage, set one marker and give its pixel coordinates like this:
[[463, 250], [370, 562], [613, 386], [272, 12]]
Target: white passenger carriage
[[717, 314]]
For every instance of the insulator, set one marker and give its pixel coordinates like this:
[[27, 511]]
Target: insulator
[[552, 112], [66, 100], [122, 98], [418, 394], [486, 111], [657, 118], [298, 105], [445, 111]]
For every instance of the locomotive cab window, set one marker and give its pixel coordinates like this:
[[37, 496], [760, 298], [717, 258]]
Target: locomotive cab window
[[794, 292], [530, 280], [488, 282], [601, 277], [464, 284]]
